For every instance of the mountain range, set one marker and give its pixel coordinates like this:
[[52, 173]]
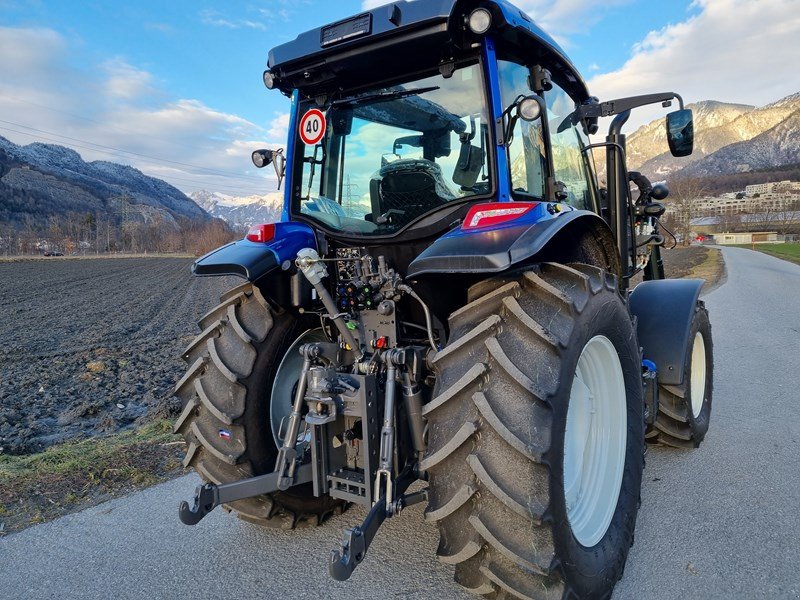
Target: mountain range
[[45, 180], [729, 138], [42, 180], [241, 212]]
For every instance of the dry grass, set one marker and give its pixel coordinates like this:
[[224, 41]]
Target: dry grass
[[72, 476]]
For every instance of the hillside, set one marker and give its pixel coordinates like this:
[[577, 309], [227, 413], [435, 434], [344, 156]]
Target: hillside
[[39, 181], [777, 146], [747, 137]]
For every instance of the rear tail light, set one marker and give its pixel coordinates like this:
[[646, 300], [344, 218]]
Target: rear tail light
[[496, 213], [261, 233]]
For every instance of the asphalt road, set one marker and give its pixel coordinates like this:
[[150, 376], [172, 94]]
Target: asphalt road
[[719, 522]]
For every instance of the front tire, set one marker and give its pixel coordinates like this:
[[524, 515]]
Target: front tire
[[226, 399], [684, 412], [508, 518]]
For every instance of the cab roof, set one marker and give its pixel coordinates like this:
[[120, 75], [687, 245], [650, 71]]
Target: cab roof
[[402, 37]]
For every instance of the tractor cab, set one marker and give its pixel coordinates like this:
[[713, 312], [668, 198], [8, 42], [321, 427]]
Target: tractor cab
[[405, 116]]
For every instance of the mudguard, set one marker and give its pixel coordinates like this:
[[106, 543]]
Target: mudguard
[[254, 260], [492, 250], [664, 310]]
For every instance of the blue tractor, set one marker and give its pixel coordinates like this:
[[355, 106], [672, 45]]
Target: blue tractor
[[448, 299]]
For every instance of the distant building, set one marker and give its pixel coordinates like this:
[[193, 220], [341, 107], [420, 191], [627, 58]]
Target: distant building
[[781, 187], [758, 237]]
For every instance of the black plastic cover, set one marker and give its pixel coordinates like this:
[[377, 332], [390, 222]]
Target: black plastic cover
[[665, 309], [241, 258]]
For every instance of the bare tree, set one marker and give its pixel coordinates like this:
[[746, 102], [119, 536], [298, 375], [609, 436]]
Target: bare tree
[[683, 196]]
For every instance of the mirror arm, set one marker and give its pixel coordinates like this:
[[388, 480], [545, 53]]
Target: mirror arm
[[621, 105]]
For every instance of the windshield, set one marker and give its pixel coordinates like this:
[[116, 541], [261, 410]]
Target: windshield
[[383, 158]]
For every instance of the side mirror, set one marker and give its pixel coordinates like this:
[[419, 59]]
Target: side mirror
[[262, 158], [680, 132]]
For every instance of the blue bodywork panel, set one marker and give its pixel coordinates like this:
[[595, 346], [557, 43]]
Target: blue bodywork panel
[[496, 102], [253, 260], [495, 249]]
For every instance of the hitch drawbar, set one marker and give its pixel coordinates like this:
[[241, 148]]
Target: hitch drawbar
[[356, 541], [207, 497]]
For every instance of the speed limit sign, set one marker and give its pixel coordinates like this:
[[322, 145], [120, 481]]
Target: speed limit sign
[[312, 127]]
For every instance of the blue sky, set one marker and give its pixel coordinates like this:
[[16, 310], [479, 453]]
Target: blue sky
[[215, 52], [155, 79]]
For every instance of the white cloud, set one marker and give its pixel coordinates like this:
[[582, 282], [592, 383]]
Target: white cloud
[[216, 18], [116, 112], [279, 127], [125, 81], [743, 51]]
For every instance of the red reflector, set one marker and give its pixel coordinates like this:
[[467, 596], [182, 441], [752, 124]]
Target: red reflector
[[261, 233], [495, 213]]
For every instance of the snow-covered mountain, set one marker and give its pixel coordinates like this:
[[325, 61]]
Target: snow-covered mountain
[[42, 180], [729, 138], [241, 212]]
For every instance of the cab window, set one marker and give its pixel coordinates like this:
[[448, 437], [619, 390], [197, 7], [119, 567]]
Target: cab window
[[527, 156], [571, 164]]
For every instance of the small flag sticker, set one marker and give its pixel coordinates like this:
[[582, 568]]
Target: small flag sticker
[[224, 434]]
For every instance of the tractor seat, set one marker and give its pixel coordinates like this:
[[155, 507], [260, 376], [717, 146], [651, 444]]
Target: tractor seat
[[411, 186]]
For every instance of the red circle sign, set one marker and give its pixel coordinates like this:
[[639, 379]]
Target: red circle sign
[[312, 127]]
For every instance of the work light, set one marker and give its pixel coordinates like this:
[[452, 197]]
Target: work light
[[269, 80], [261, 158], [480, 21]]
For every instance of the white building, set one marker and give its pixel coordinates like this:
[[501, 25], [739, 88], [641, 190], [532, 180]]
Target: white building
[[781, 187]]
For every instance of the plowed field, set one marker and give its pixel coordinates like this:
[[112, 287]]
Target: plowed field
[[91, 346]]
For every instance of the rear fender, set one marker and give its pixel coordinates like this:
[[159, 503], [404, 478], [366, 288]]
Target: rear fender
[[664, 310], [498, 249], [255, 260]]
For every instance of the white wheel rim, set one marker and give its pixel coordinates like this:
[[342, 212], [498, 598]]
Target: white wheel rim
[[697, 385], [281, 399], [594, 441]]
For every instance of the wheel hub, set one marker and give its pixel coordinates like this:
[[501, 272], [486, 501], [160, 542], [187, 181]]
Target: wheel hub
[[594, 441], [698, 374], [282, 393]]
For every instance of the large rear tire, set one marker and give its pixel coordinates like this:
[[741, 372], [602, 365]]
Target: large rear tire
[[684, 412], [531, 362], [226, 397]]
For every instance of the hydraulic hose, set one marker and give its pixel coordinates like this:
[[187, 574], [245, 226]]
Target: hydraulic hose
[[428, 320], [309, 263]]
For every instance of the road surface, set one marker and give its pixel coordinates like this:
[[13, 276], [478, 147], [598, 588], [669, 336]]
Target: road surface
[[719, 522]]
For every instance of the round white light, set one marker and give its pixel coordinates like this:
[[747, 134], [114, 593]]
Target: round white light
[[480, 21], [269, 80], [261, 158], [529, 109]]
